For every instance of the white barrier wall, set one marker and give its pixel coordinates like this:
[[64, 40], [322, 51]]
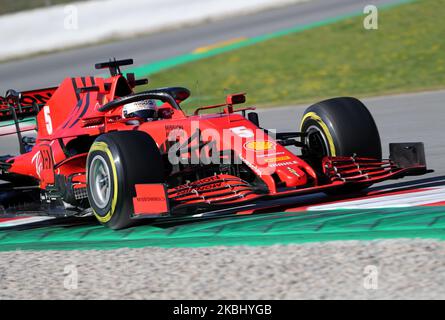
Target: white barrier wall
[[81, 23]]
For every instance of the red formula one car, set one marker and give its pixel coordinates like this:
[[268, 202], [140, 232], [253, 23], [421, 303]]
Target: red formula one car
[[124, 156]]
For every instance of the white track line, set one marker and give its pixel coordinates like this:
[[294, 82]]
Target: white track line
[[23, 221], [394, 201]]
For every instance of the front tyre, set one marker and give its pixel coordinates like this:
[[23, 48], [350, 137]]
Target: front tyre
[[116, 162], [340, 127]]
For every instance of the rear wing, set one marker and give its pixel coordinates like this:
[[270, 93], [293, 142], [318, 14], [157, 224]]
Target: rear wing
[[25, 103]]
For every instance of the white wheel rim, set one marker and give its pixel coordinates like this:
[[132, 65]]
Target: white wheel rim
[[100, 182], [315, 129]]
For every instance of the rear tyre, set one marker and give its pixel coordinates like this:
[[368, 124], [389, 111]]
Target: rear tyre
[[341, 127], [116, 162]]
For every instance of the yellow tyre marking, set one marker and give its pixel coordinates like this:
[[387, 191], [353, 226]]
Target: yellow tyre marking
[[316, 117], [102, 146]]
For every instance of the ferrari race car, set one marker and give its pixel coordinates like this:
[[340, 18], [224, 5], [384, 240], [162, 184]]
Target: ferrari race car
[[103, 149]]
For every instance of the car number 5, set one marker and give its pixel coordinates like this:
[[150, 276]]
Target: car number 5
[[242, 132], [48, 121]]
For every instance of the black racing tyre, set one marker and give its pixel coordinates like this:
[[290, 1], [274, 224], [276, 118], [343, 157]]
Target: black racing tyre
[[346, 126], [341, 127], [116, 162]]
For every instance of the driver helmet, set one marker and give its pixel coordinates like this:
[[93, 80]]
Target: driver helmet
[[145, 109]]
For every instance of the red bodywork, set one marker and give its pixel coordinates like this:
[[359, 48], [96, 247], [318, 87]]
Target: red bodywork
[[71, 112]]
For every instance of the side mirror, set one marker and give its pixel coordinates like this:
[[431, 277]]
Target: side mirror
[[238, 98], [253, 117], [15, 97], [12, 94]]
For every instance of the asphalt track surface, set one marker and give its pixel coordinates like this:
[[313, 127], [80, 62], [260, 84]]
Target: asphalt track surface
[[51, 69]]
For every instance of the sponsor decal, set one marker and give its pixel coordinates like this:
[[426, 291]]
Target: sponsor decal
[[176, 136], [209, 187], [259, 146], [170, 127], [197, 183], [277, 159], [283, 164], [209, 179], [41, 160], [269, 155], [242, 132], [149, 199], [199, 188], [293, 171], [252, 166], [37, 160]]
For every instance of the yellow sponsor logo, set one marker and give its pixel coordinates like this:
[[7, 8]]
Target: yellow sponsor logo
[[277, 159], [259, 145]]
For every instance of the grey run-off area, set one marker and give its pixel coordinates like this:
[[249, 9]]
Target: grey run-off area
[[405, 269]]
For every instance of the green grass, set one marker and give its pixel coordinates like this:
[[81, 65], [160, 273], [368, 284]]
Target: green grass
[[10, 6], [406, 53]]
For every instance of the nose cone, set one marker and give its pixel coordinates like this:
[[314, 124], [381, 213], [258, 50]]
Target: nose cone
[[292, 175]]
